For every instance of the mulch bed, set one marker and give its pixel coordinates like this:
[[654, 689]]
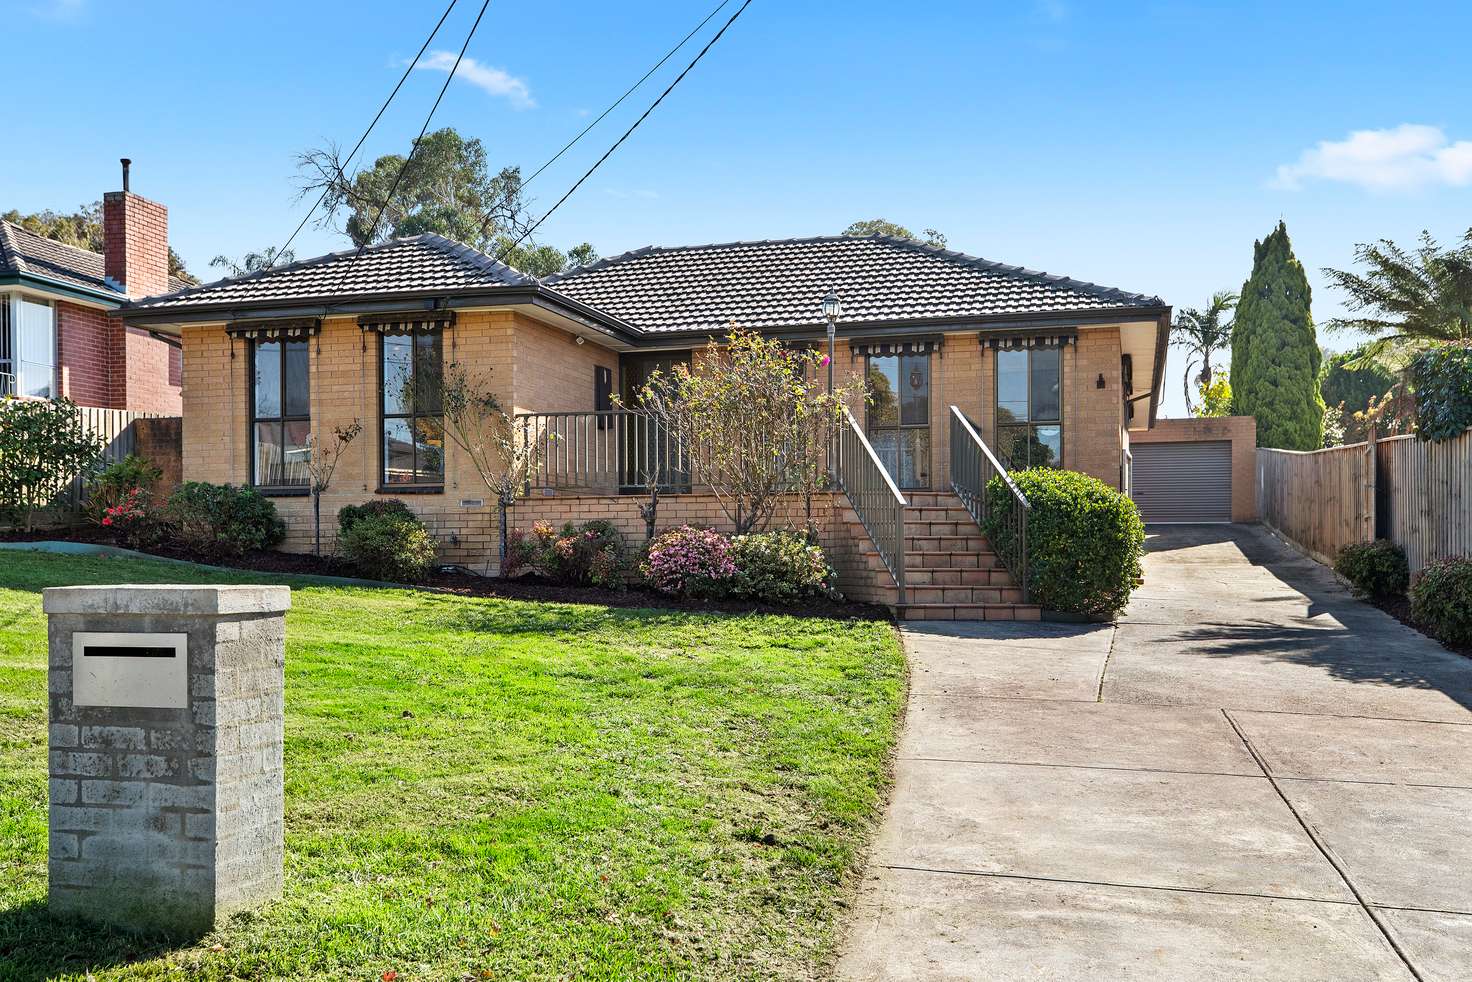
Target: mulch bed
[[465, 583]]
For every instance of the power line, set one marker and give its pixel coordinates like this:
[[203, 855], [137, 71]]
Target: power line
[[627, 133], [393, 189], [359, 145], [485, 225]]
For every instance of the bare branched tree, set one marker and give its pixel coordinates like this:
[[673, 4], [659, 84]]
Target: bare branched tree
[[321, 464]]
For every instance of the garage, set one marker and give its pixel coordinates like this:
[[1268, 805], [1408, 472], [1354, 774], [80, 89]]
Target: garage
[[1183, 482]]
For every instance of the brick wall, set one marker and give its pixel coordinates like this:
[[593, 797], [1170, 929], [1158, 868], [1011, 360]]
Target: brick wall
[[1093, 418], [86, 353], [135, 234], [148, 372], [160, 441]]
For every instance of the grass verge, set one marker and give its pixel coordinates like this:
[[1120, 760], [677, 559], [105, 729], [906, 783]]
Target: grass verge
[[483, 788]]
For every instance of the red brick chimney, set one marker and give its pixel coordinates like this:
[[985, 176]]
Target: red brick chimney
[[135, 237]]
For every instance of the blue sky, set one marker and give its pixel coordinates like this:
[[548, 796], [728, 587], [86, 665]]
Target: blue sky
[[1138, 145]]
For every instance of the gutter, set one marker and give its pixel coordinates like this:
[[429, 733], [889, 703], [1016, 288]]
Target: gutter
[[70, 291]]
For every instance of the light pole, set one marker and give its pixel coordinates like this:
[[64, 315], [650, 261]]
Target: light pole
[[832, 307]]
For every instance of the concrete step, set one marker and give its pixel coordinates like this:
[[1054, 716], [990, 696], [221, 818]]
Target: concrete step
[[969, 612]]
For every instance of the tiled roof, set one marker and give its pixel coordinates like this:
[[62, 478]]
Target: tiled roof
[[778, 283], [23, 251], [417, 265]]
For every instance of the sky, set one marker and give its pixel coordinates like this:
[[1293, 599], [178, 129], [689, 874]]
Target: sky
[[1138, 145]]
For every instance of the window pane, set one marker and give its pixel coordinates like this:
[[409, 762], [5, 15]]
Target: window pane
[[1011, 387], [269, 454], [429, 447], [36, 334], [268, 380], [34, 380], [884, 386], [427, 373], [1044, 387], [398, 452], [398, 360], [915, 389], [1047, 446], [1012, 446], [886, 448], [914, 459], [295, 454], [297, 393]]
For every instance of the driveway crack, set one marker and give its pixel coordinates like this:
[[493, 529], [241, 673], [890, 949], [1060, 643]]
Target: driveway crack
[[1104, 669]]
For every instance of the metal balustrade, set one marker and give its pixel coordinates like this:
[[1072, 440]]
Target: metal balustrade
[[874, 496], [603, 452], [973, 466]]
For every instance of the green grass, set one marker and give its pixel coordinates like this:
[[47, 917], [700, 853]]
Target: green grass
[[580, 793]]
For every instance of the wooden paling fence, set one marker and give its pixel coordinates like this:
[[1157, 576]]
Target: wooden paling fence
[[1417, 494]]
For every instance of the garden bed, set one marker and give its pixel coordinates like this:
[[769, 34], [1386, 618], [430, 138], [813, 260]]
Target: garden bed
[[1400, 609], [467, 583], [490, 788]]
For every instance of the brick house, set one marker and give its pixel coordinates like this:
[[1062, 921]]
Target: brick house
[[1050, 370], [60, 336]]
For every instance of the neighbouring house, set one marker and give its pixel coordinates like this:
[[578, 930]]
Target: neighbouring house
[[60, 336], [957, 350]]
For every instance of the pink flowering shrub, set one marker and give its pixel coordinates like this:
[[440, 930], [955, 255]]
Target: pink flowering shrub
[[690, 562], [591, 554]]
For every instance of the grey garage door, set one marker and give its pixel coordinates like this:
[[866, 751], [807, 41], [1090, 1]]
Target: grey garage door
[[1183, 482]]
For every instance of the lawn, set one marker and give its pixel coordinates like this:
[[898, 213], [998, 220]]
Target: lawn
[[481, 788]]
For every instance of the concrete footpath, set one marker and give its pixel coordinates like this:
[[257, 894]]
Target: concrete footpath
[[1251, 776]]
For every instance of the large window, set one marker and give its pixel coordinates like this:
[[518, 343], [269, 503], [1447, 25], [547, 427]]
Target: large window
[[32, 348], [1030, 407], [281, 416], [899, 416], [413, 421]]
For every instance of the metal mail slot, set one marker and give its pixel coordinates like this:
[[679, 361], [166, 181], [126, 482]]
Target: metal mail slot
[[144, 671]]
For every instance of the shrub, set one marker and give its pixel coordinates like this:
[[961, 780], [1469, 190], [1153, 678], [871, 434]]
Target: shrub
[[1441, 599], [349, 515], [1374, 569], [690, 562], [43, 445], [388, 546], [781, 568], [590, 554], [1442, 378], [1084, 540], [120, 499], [222, 519]]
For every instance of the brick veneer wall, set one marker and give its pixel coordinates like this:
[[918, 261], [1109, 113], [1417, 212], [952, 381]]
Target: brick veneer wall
[[1240, 430], [86, 352], [149, 376], [1093, 418], [161, 442]]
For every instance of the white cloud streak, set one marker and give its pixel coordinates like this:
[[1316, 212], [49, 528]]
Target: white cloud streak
[[1402, 158], [494, 81]]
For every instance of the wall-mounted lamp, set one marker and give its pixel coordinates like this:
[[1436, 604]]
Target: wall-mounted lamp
[[1099, 382], [580, 341]]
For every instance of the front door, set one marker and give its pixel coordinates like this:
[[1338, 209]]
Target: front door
[[899, 417], [644, 451]]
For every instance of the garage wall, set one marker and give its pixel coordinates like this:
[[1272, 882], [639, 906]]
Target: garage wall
[[1240, 430]]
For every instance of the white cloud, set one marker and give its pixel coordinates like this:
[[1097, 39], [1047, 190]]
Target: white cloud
[[1405, 157], [493, 80], [60, 10]]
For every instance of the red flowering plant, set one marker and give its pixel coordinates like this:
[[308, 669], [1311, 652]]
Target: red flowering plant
[[589, 554], [120, 499]]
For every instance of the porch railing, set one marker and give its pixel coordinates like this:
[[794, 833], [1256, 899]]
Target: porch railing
[[7, 384], [874, 496], [973, 465], [604, 452]]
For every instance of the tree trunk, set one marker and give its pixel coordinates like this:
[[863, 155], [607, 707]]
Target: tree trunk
[[501, 504], [316, 523]]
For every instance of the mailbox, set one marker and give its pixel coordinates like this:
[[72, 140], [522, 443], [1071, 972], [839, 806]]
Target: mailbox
[[125, 669]]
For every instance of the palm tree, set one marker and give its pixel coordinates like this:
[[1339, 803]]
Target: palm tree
[[1407, 301], [1201, 333]]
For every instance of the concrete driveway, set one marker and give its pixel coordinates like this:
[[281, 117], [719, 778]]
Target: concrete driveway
[[1252, 776]]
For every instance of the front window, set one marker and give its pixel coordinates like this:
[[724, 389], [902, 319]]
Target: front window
[[899, 416], [32, 349], [413, 420], [1030, 407], [281, 415]]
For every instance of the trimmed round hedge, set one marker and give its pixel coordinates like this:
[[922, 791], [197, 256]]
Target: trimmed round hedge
[[1441, 599], [1084, 540], [1374, 569]]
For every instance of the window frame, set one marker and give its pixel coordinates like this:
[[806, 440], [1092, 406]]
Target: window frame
[[7, 346], [416, 486], [252, 419], [899, 426], [18, 362], [1030, 424]]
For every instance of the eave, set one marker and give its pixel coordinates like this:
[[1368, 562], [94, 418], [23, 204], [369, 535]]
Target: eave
[[65, 291]]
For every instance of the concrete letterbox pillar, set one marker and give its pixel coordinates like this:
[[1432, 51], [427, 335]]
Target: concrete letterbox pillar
[[165, 762]]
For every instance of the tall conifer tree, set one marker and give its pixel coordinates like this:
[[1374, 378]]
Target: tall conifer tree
[[1275, 352]]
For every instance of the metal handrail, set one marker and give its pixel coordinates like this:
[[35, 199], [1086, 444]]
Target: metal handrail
[[7, 384], [973, 465], [874, 496], [606, 450]]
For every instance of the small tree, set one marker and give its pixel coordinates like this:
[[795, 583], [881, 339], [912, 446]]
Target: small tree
[[1201, 333], [322, 458], [753, 420], [476, 423], [43, 446]]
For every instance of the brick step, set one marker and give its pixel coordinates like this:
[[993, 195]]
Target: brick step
[[955, 513], [969, 612], [934, 499], [974, 542], [870, 558], [960, 594], [961, 526], [952, 576]]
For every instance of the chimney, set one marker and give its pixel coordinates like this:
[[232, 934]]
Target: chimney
[[135, 241]]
